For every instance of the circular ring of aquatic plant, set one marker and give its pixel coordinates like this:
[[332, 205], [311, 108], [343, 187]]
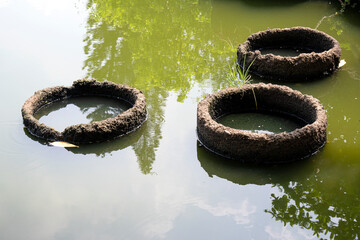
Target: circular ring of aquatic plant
[[253, 147], [319, 54], [98, 131]]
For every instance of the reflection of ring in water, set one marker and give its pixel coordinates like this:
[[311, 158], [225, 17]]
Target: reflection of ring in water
[[319, 54], [99, 149], [98, 131], [261, 147], [244, 174]]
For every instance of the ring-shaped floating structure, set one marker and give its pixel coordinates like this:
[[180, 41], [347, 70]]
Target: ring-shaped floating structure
[[98, 131], [319, 54], [252, 147]]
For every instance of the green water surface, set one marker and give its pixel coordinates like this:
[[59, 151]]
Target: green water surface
[[158, 182], [285, 52], [261, 122]]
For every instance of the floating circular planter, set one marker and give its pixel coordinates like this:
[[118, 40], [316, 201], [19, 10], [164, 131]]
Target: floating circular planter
[[98, 131], [254, 147], [319, 54]]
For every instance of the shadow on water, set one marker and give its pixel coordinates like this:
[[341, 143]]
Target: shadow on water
[[311, 195]]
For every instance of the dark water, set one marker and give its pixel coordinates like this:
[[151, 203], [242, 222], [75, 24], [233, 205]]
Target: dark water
[[87, 109], [158, 183], [285, 52], [261, 122]]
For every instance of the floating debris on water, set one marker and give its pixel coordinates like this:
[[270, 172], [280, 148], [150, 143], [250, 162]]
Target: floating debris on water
[[63, 144], [342, 63]]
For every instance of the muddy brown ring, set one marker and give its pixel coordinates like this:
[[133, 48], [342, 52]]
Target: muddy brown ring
[[247, 146], [98, 131], [322, 59]]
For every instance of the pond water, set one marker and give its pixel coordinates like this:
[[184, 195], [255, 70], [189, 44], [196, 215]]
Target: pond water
[[285, 52], [261, 122], [75, 110], [158, 182]]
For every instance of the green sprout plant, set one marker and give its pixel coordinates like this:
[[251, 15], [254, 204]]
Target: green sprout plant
[[238, 76]]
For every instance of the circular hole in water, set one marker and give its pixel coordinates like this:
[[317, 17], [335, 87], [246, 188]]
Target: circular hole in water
[[262, 122], [82, 109]]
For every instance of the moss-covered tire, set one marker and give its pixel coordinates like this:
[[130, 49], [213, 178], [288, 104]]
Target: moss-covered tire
[[254, 147], [99, 131], [322, 55]]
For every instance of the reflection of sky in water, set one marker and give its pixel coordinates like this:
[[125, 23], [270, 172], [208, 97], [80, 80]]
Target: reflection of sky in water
[[62, 114]]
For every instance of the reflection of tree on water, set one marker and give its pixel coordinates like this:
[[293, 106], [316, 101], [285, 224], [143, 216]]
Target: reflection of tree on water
[[326, 204], [149, 141], [100, 108], [153, 43], [155, 47], [101, 112]]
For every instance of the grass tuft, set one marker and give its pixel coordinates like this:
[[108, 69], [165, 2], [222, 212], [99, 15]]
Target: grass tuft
[[238, 76]]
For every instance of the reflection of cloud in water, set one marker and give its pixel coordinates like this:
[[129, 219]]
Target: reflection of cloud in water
[[49, 7], [240, 214], [171, 202], [283, 232], [4, 3]]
